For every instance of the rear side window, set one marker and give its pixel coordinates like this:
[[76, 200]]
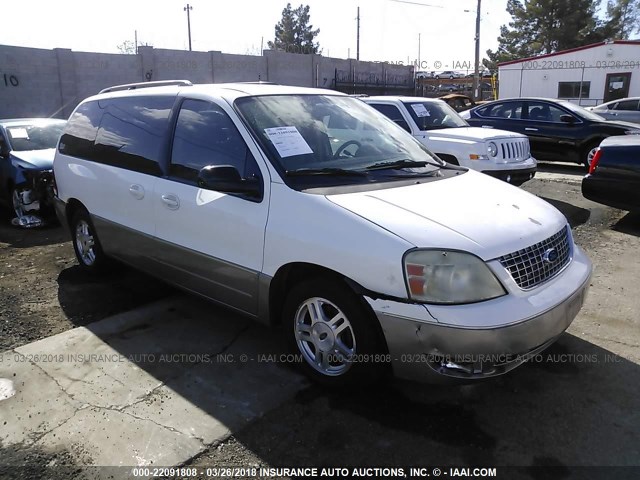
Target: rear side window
[[205, 135], [133, 133], [631, 105], [81, 130], [393, 113], [502, 110]]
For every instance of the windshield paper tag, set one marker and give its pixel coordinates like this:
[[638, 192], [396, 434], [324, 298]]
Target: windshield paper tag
[[420, 110], [19, 133], [288, 141]]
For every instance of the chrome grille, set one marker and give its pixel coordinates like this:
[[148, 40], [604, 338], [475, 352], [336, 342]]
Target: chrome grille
[[538, 263], [514, 150]]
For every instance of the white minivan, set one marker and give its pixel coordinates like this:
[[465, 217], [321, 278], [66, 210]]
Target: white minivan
[[370, 252]]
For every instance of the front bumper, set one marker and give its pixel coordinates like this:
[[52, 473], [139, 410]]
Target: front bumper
[[514, 176], [32, 199], [422, 348]]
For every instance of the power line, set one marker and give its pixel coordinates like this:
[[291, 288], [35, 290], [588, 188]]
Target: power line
[[416, 3]]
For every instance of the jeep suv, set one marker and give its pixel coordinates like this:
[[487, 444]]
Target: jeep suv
[[499, 153], [372, 253]]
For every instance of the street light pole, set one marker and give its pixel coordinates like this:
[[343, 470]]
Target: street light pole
[[187, 9], [358, 37], [477, 60]]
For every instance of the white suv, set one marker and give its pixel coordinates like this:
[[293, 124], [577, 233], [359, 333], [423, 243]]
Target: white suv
[[372, 253], [499, 153]]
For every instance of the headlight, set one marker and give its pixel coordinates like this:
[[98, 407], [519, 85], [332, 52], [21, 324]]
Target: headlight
[[492, 148], [443, 276]]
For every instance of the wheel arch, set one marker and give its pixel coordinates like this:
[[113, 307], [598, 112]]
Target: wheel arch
[[290, 274], [73, 205]]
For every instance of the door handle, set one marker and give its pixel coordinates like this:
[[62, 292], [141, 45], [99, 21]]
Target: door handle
[[137, 191], [531, 129], [171, 201]]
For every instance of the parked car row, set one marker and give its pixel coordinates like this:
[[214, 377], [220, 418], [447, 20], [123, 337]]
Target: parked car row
[[499, 153], [451, 74], [557, 129], [340, 224]]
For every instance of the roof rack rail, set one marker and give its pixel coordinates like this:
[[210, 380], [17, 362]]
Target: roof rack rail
[[134, 86]]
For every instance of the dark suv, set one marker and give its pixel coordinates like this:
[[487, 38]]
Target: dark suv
[[557, 129]]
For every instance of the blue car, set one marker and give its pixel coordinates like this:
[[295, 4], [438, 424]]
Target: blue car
[[27, 147]]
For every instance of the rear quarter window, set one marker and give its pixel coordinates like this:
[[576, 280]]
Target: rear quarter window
[[126, 132], [80, 133]]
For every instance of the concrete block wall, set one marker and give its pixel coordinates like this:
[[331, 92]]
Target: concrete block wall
[[50, 83], [30, 82]]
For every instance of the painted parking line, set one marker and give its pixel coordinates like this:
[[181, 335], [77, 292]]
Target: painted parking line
[[154, 386]]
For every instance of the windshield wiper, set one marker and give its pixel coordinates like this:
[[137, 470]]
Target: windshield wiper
[[324, 171], [398, 164]]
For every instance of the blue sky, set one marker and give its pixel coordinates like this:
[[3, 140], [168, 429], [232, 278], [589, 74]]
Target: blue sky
[[389, 29]]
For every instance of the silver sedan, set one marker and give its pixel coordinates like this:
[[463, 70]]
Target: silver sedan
[[624, 109]]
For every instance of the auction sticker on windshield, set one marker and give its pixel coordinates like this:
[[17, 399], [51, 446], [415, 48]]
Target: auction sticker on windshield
[[288, 141], [420, 110]]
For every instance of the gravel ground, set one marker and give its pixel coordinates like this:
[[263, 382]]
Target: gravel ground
[[43, 291]]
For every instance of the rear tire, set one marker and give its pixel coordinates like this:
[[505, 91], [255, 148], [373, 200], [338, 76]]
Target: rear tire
[[334, 333], [86, 244], [588, 153]]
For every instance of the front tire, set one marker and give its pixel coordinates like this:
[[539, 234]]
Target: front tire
[[334, 333], [86, 244]]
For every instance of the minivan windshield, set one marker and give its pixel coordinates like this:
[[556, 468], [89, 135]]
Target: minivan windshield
[[434, 115], [331, 135]]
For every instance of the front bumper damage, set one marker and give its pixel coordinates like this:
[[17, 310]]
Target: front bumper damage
[[424, 345], [32, 200]]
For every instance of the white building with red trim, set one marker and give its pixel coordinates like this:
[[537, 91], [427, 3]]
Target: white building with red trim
[[587, 75]]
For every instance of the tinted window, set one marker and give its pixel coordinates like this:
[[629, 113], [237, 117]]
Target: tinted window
[[79, 135], [205, 135], [434, 115], [544, 112], [502, 110], [392, 112], [133, 133], [627, 105]]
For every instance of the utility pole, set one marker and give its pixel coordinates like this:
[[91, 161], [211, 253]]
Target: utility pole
[[187, 9], [358, 37], [135, 37], [419, 42], [476, 93]]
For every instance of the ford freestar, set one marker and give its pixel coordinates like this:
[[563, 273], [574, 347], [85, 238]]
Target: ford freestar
[[272, 200]]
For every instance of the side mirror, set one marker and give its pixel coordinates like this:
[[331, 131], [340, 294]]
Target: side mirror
[[227, 179], [570, 119]]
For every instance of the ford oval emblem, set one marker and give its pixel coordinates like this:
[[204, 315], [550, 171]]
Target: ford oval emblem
[[550, 255]]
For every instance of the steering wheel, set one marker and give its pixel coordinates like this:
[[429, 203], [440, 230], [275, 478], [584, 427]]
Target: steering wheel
[[342, 147]]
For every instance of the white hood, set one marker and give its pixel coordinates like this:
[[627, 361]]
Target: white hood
[[471, 133], [471, 212]]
